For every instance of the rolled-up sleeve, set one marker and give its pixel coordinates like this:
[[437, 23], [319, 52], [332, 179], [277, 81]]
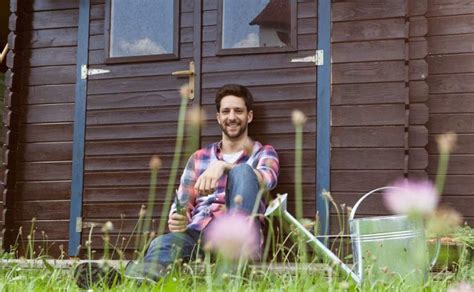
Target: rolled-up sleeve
[[269, 166]]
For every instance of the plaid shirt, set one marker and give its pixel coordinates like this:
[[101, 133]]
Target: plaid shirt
[[201, 209]]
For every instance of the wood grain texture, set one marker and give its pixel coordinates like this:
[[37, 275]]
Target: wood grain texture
[[450, 44], [367, 136], [368, 30], [450, 83], [418, 70], [53, 19], [418, 26], [450, 7], [51, 75], [368, 51], [419, 7], [368, 115], [367, 158], [464, 145], [443, 64], [42, 210], [369, 93], [458, 123], [361, 10], [47, 133], [419, 114], [451, 103], [58, 93], [48, 38], [458, 164], [418, 49], [40, 190], [457, 24], [368, 72], [362, 180]]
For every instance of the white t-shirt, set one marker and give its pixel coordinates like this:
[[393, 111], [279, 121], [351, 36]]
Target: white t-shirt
[[232, 157]]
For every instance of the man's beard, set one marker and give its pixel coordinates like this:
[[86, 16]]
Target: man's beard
[[236, 135]]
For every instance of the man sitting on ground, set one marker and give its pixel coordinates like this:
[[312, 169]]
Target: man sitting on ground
[[214, 176]]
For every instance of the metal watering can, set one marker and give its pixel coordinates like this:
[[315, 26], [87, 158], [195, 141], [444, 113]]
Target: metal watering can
[[383, 246]]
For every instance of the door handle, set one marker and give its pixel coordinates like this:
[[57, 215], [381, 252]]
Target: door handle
[[187, 73]]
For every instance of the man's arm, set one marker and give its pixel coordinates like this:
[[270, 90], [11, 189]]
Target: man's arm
[[268, 167], [185, 195], [207, 182]]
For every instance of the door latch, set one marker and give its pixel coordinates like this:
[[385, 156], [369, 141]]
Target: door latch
[[188, 73]]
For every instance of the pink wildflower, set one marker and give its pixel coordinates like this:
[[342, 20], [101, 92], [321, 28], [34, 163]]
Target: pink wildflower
[[412, 197], [234, 235], [461, 287]]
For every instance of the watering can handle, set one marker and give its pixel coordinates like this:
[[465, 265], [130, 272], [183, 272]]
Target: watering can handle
[[354, 209]]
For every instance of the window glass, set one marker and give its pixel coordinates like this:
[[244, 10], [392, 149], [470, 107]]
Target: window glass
[[256, 23], [141, 27]]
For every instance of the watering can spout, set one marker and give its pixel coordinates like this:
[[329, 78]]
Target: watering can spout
[[278, 207]]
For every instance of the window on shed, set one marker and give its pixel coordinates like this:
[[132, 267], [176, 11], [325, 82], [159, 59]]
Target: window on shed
[[141, 30], [257, 26]]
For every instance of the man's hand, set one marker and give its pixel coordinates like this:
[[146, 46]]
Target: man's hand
[[177, 222], [207, 183]]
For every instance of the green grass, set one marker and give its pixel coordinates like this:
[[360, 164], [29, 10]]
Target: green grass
[[186, 278]]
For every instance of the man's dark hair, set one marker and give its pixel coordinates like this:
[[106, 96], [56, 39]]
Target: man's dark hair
[[236, 90]]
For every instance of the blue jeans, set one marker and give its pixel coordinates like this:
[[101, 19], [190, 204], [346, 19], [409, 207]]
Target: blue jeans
[[167, 248]]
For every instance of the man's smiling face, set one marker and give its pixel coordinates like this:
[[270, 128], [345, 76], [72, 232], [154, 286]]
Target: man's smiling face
[[233, 117]]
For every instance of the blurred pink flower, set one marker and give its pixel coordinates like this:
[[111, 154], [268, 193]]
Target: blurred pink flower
[[461, 287], [412, 197], [234, 235]]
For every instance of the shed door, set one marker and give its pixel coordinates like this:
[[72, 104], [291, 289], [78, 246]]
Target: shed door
[[132, 110]]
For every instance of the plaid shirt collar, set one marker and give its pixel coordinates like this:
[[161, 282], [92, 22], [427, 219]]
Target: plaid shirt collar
[[243, 157]]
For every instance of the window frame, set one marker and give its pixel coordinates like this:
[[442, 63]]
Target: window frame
[[292, 47], [157, 57]]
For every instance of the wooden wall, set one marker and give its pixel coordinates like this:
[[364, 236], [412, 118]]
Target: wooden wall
[[369, 133], [132, 113], [44, 146], [392, 60], [451, 96]]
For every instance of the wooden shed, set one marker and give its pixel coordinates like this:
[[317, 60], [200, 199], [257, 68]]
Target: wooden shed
[[91, 96]]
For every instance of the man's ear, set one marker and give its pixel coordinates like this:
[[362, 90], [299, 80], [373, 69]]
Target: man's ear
[[217, 118], [250, 116]]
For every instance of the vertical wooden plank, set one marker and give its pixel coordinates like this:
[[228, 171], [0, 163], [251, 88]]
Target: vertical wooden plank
[[323, 169], [77, 184], [197, 55]]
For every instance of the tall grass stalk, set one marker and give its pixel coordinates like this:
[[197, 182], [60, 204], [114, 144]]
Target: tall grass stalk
[[155, 165], [299, 119], [446, 143], [174, 166], [30, 253]]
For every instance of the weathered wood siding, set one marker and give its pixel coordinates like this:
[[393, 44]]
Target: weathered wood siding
[[392, 61], [144, 95], [369, 133], [43, 178], [451, 96]]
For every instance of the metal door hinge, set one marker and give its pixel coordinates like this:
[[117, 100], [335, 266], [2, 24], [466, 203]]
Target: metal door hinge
[[317, 58], [89, 72], [78, 224]]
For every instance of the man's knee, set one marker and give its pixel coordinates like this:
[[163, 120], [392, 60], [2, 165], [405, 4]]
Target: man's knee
[[167, 240], [241, 170]]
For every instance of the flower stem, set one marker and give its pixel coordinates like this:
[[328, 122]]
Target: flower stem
[[174, 166], [442, 170]]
